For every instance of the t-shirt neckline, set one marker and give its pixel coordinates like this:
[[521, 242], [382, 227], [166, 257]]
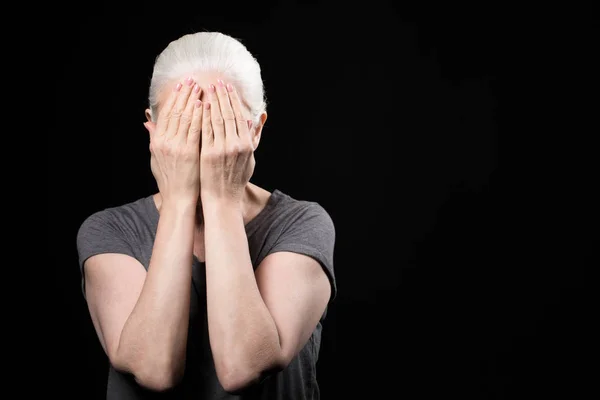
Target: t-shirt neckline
[[274, 198]]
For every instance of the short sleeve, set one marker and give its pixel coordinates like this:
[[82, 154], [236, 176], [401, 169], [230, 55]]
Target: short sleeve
[[312, 233], [100, 233]]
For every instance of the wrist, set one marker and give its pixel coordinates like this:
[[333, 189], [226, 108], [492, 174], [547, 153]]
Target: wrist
[[179, 205], [220, 207], [219, 202]]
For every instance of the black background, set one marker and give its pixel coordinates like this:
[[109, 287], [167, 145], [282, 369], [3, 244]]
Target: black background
[[388, 116]]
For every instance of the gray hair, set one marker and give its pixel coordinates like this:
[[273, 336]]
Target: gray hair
[[205, 52]]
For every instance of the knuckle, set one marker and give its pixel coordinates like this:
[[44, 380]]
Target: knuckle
[[209, 155], [189, 153], [156, 146], [233, 150], [185, 118], [217, 119], [180, 152], [194, 127], [247, 148], [168, 149]]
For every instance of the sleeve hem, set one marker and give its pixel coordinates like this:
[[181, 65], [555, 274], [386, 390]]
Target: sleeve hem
[[316, 255], [84, 258]]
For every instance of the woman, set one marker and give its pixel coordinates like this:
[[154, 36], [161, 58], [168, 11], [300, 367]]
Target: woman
[[213, 287]]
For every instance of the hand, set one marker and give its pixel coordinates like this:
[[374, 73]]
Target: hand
[[227, 154], [175, 142]]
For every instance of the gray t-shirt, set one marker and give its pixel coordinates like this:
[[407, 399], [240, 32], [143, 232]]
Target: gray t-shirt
[[285, 224]]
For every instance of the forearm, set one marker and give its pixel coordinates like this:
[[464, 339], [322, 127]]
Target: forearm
[[243, 336], [154, 338]]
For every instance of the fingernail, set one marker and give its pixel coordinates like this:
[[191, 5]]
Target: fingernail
[[189, 81], [196, 88], [229, 87], [220, 82], [178, 87], [211, 88], [198, 104]]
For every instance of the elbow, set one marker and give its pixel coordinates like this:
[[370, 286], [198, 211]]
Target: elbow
[[237, 382], [236, 378], [150, 374], [158, 381]]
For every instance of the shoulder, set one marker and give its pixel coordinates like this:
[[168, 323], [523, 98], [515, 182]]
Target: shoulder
[[290, 213], [127, 218], [300, 209], [304, 227]]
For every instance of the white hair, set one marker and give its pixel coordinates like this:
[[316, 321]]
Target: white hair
[[210, 52]]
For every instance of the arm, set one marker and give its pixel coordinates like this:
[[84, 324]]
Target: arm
[[257, 322], [142, 318]]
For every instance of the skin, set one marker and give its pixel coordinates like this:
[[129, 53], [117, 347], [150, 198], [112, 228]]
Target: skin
[[255, 197], [258, 319]]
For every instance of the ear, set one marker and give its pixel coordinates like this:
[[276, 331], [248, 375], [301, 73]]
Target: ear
[[148, 113], [149, 125], [256, 131]]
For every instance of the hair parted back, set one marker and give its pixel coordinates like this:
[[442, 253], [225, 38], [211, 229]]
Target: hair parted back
[[207, 52]]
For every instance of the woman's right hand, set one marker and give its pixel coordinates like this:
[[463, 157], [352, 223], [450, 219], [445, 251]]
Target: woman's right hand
[[175, 144]]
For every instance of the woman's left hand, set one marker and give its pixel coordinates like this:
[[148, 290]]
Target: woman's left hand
[[227, 152]]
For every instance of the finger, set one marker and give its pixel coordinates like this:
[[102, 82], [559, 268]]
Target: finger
[[179, 108], [165, 113], [193, 136], [226, 110], [216, 119], [207, 130], [242, 126], [185, 121]]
